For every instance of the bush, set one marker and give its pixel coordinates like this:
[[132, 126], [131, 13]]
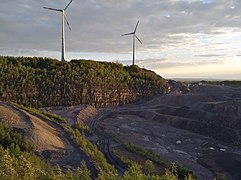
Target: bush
[[46, 115], [149, 154]]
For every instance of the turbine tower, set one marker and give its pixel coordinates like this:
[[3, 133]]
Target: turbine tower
[[64, 18], [134, 37]]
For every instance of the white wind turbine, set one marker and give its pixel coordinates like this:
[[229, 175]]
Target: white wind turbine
[[134, 37], [63, 33]]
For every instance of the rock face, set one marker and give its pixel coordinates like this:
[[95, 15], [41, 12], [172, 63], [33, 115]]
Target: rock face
[[37, 82], [102, 97]]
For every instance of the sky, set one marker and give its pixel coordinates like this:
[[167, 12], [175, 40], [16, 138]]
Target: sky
[[181, 38]]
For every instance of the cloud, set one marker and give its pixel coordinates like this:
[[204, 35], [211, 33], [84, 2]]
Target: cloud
[[18, 52], [179, 30], [97, 25], [211, 55]]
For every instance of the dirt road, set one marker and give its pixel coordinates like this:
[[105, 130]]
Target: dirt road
[[49, 139]]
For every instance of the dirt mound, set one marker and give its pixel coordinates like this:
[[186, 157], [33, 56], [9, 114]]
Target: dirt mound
[[43, 136], [50, 140], [40, 134], [8, 115], [73, 114], [86, 114], [69, 113], [11, 115]]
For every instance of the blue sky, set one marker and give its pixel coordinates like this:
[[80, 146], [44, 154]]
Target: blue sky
[[181, 38]]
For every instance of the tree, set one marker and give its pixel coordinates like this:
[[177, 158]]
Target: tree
[[148, 168], [37, 82], [58, 175], [103, 175], [7, 166], [134, 173], [171, 173], [25, 169], [82, 172]]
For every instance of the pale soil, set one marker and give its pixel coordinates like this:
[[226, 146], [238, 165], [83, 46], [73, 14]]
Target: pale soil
[[49, 139], [43, 136], [86, 114], [8, 115], [73, 114], [40, 134]]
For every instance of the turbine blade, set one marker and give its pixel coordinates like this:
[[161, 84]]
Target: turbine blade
[[67, 22], [68, 5], [136, 27], [138, 39], [127, 34], [52, 9]]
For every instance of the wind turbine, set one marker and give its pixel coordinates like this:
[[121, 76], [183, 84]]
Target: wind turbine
[[64, 18], [134, 37]]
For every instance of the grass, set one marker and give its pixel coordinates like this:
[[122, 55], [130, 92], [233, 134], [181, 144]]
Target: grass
[[122, 157], [149, 154], [182, 171], [46, 115], [93, 151], [96, 155], [75, 134], [83, 128]]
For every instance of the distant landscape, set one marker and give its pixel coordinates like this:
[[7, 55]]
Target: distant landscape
[[201, 79], [85, 119], [120, 90]]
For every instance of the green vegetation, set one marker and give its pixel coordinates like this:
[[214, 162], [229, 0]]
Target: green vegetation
[[135, 172], [46, 115], [42, 82], [91, 150], [26, 166], [183, 172], [122, 157], [149, 154], [231, 83], [17, 160], [13, 140], [82, 128], [224, 83], [220, 176], [148, 167], [75, 134]]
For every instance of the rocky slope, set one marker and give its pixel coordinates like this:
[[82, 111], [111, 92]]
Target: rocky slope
[[199, 129]]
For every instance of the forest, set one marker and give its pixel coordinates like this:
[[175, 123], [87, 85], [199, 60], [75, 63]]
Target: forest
[[41, 82]]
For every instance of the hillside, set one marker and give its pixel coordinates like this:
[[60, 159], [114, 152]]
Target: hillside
[[198, 128], [35, 147], [44, 82]]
